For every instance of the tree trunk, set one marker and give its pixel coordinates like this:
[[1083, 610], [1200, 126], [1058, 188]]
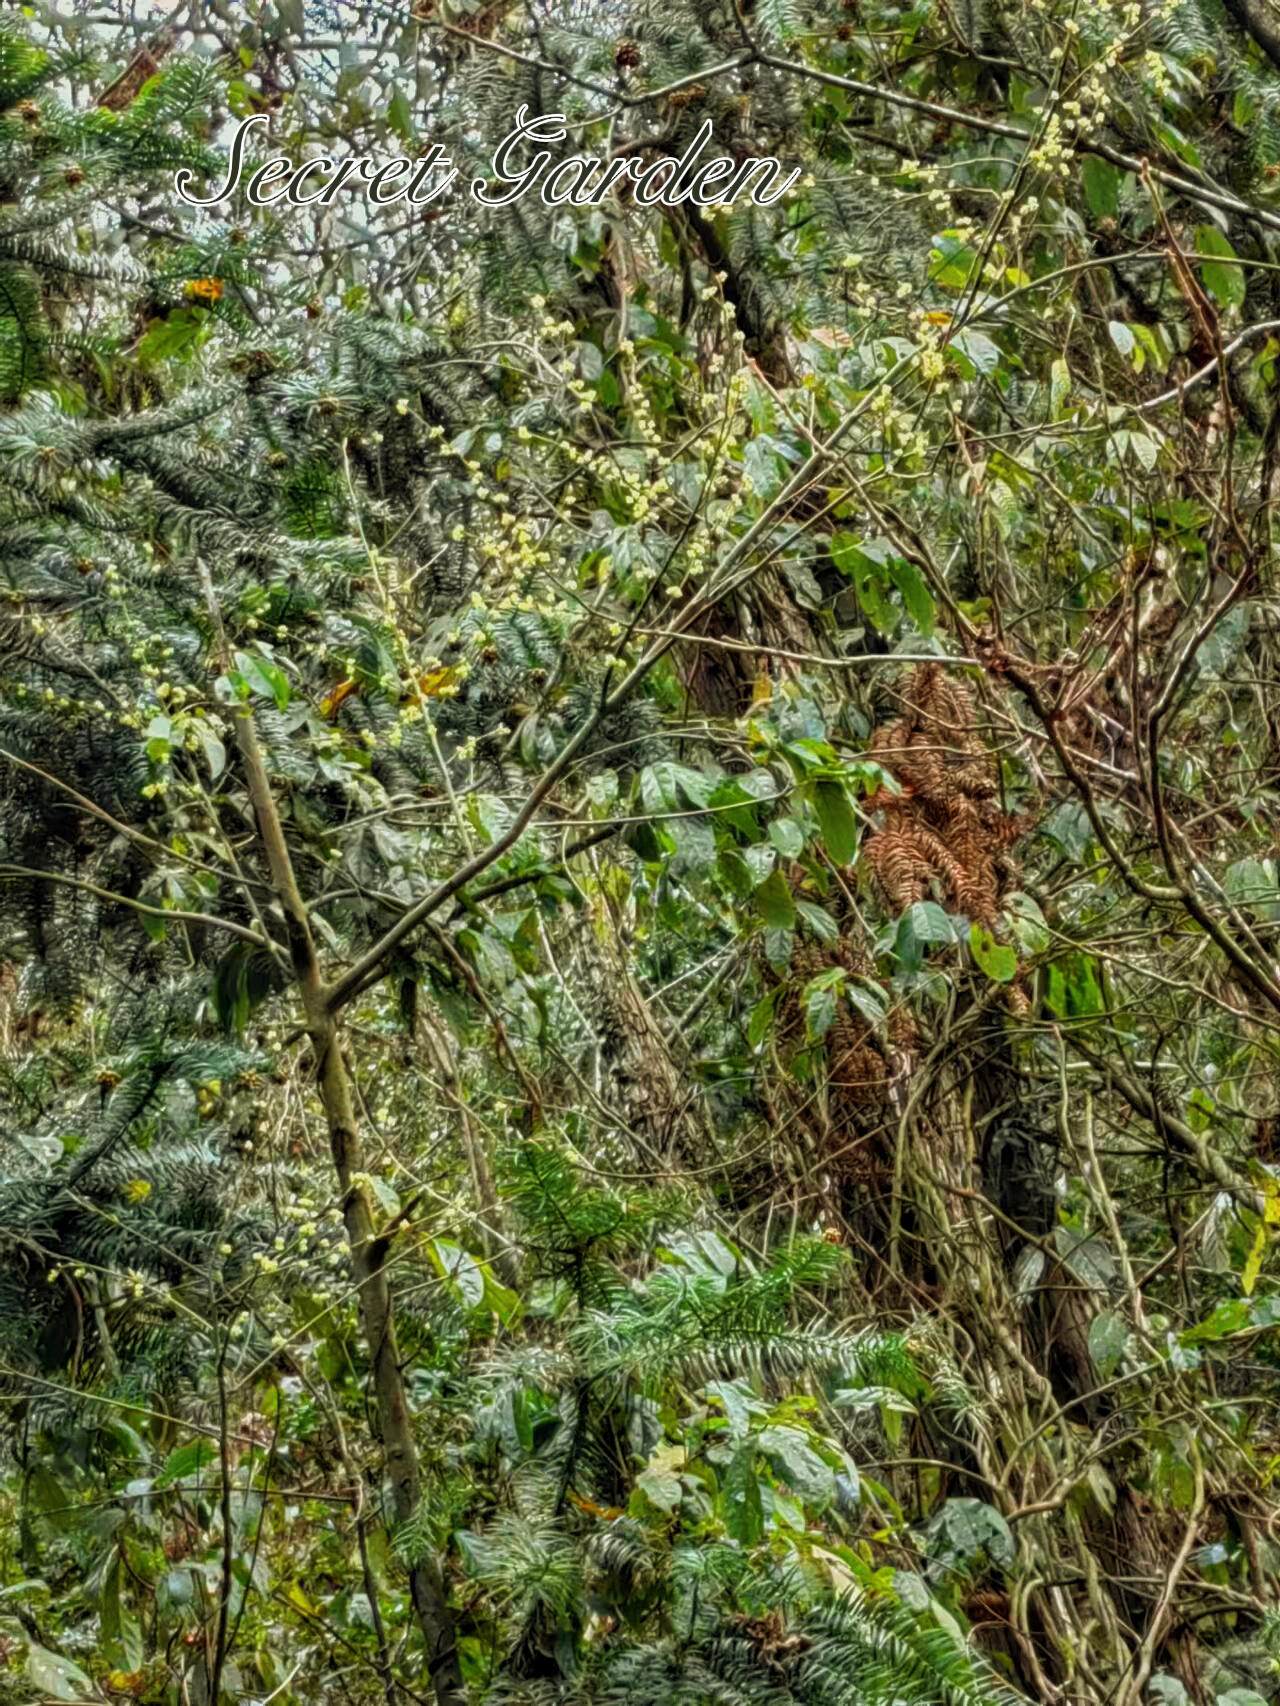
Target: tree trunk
[[377, 1325], [368, 1252]]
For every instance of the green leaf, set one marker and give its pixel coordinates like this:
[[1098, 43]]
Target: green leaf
[[695, 841], [215, 753], [734, 806], [400, 115], [1223, 646], [1108, 1337], [58, 1678], [868, 1000], [911, 1590], [739, 1401], [471, 1281], [743, 1508], [1223, 281], [669, 787], [1231, 1316], [174, 338], [490, 815], [774, 902], [120, 1628], [1088, 1259], [1252, 882], [796, 1462], [662, 1488], [265, 677], [916, 597], [459, 1270], [820, 922], [929, 923], [761, 1021], [1171, 1690], [872, 1398], [965, 1529], [1155, 341], [875, 570], [1144, 447], [705, 1253], [49, 1496], [951, 263], [821, 1000], [1059, 386], [787, 836], [835, 815], [865, 563], [187, 1461], [1101, 186], [997, 959], [1028, 923], [983, 355]]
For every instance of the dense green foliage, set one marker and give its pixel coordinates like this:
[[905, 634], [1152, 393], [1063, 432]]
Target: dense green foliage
[[638, 861]]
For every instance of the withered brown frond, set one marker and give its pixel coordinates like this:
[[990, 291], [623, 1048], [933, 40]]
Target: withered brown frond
[[944, 832]]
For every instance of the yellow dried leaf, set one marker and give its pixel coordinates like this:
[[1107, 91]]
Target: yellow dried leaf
[[330, 703], [433, 685], [1253, 1261]]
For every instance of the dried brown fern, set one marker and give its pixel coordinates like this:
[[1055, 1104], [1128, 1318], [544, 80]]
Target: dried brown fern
[[944, 831], [943, 834]]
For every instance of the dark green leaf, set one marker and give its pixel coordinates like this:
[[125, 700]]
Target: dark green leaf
[[1223, 280], [743, 1508], [774, 902], [761, 1021], [188, 1460], [835, 815], [1101, 183]]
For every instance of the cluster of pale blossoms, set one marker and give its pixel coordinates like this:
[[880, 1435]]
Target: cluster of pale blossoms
[[930, 356], [305, 1220], [899, 427]]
